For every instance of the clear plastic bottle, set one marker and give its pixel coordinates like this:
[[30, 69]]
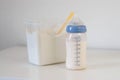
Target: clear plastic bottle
[[76, 45]]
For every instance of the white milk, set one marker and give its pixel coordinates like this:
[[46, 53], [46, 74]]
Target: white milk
[[71, 56]]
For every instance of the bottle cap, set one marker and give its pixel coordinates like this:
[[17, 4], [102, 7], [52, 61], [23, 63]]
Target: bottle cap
[[76, 29]]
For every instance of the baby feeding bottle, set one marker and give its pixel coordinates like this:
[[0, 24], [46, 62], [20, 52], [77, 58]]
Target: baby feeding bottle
[[76, 44]]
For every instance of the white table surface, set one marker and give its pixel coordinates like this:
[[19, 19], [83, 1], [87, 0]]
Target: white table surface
[[102, 65]]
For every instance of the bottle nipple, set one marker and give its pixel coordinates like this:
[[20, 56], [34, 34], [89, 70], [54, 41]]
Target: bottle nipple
[[76, 21]]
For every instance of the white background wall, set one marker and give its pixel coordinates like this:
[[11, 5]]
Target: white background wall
[[102, 18]]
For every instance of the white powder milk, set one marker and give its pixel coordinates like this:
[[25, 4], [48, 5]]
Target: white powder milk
[[44, 49], [60, 48]]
